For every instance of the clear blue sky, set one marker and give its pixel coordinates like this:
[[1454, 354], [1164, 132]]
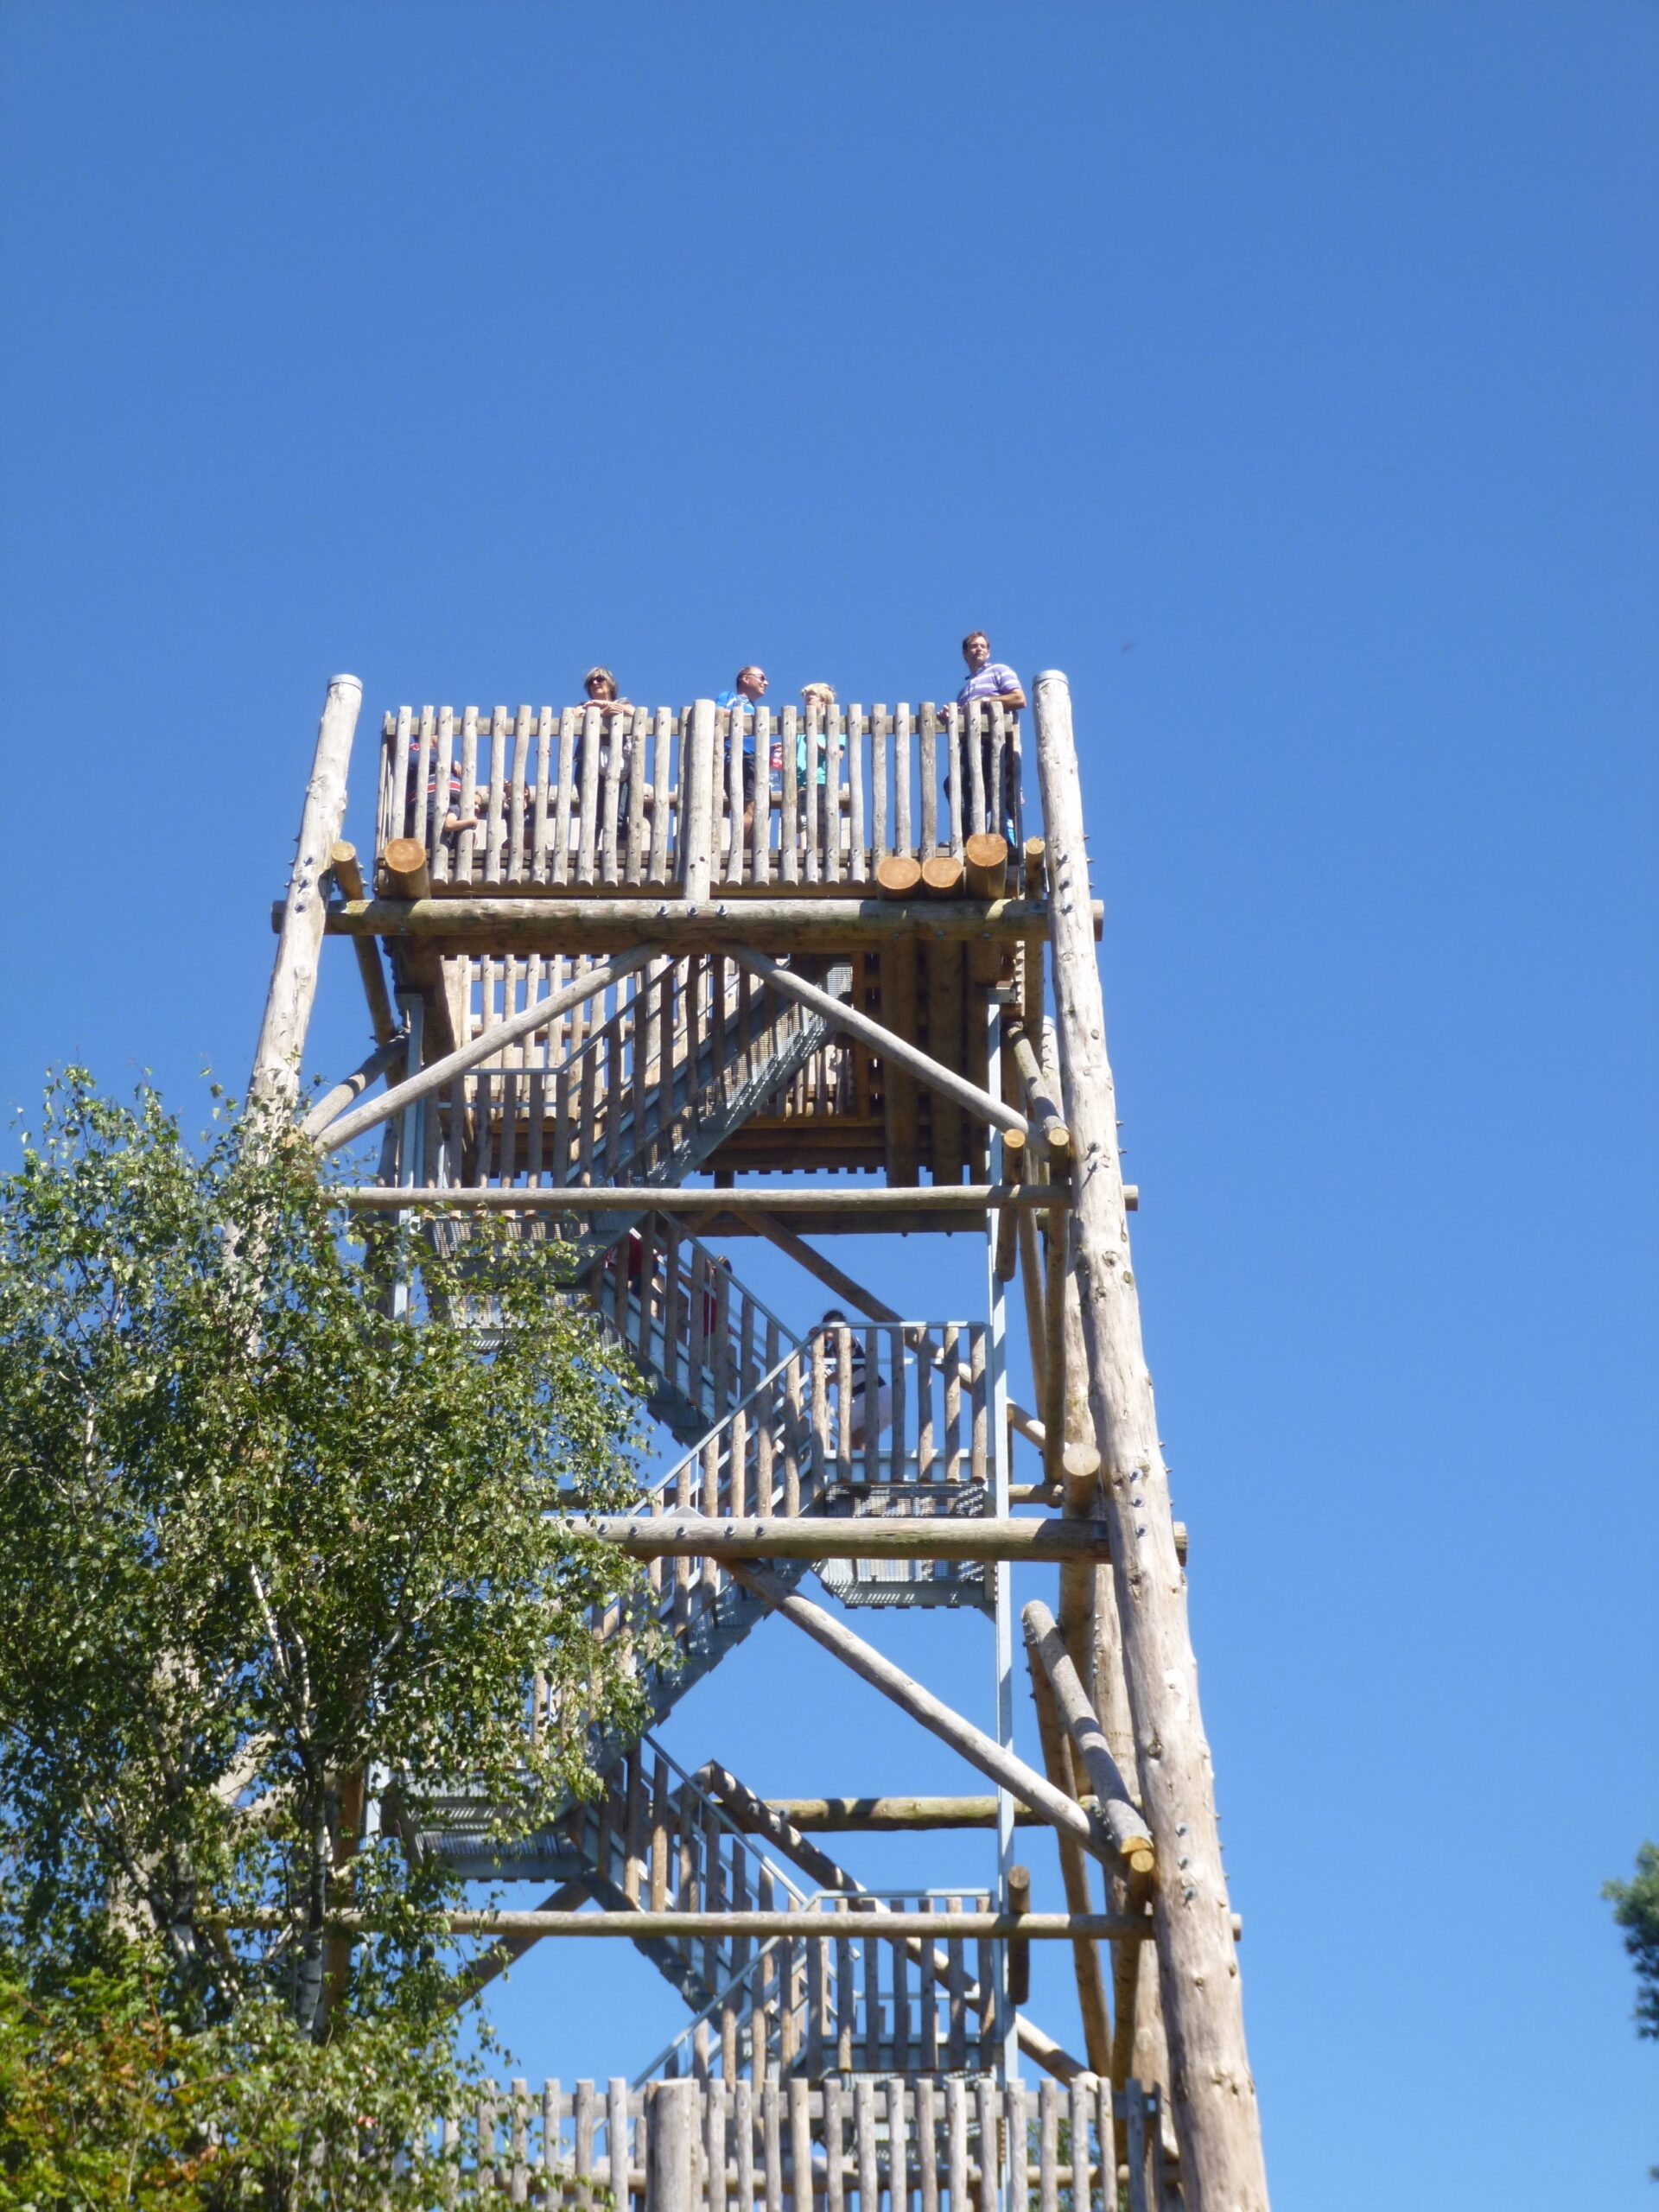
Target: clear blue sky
[[1286, 374]]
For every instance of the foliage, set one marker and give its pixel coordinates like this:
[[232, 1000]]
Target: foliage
[[1635, 1909], [105, 2101], [277, 1569]]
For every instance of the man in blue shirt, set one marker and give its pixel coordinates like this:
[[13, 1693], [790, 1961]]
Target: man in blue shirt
[[749, 687]]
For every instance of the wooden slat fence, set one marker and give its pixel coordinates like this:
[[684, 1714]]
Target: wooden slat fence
[[937, 2144], [565, 802]]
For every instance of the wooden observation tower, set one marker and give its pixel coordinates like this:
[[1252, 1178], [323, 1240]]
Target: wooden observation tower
[[692, 977]]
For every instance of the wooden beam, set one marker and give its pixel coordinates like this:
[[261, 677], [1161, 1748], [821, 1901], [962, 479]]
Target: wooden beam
[[1019, 1949], [690, 1536], [302, 918], [626, 1197], [1044, 1106], [438, 1073], [474, 923], [973, 1744], [1012, 1166], [351, 1088], [1213, 2095], [923, 1065], [1054, 1358], [348, 883], [898, 1098], [894, 1816], [942, 968], [697, 823], [633, 1927], [1115, 1805], [1074, 1876]]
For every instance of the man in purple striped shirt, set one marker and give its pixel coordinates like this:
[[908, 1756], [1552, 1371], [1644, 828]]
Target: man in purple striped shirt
[[987, 678], [992, 679]]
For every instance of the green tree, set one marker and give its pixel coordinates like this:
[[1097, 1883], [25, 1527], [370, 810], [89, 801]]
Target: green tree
[[1635, 1909], [279, 1566]]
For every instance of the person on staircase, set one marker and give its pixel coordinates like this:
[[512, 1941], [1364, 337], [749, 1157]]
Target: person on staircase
[[869, 1398]]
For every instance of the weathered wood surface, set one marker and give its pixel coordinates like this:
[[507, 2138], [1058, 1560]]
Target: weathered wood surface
[[348, 877], [833, 1537], [894, 1816], [1217, 2121], [600, 924], [1115, 1806], [889, 1926], [300, 920]]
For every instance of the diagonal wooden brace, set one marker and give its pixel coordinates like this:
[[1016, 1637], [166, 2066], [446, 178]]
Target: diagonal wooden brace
[[482, 1047], [979, 1750], [883, 1040]]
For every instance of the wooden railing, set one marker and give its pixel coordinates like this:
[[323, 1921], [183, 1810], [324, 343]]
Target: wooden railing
[[858, 2003], [605, 1092], [866, 2145], [565, 802], [686, 1319], [816, 1430]]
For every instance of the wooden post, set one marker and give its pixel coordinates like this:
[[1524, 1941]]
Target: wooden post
[[1074, 1873], [697, 824], [276, 1077], [1217, 2121], [672, 2152], [1116, 1805], [349, 881], [1020, 1951]]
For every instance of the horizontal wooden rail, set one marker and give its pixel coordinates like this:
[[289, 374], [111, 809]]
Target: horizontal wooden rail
[[617, 925], [632, 1197], [934, 1536], [893, 1816], [813, 1927]]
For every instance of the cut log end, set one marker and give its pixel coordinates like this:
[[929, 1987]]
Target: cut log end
[[348, 875], [404, 860], [898, 875], [985, 858], [942, 877]]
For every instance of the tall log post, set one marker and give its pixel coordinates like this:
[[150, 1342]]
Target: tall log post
[[276, 1077], [1217, 2121], [671, 2110], [697, 823]]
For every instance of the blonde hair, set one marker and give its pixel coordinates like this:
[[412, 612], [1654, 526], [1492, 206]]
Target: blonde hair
[[603, 675], [823, 694]]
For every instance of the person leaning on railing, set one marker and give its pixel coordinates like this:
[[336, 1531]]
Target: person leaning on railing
[[748, 689], [991, 679]]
